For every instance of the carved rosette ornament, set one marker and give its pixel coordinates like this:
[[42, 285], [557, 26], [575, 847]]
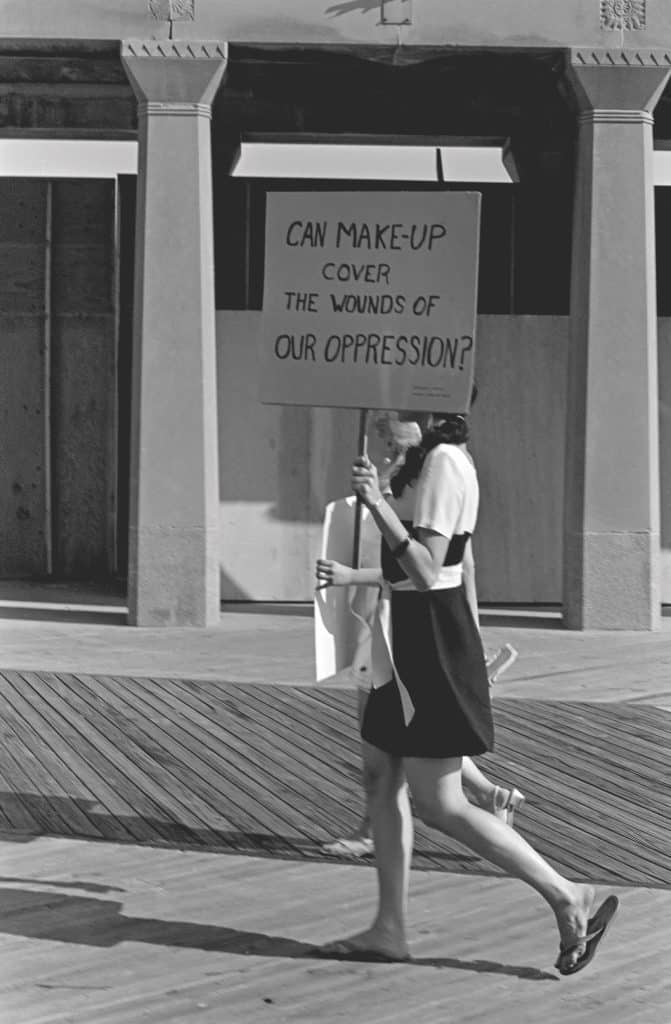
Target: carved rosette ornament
[[623, 14], [172, 10]]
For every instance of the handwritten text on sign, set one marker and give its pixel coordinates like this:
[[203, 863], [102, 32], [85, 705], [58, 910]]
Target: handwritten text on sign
[[370, 299]]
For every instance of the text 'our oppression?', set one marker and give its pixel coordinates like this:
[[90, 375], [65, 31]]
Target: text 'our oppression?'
[[371, 348]]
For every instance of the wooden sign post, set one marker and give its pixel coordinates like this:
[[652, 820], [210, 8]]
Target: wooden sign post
[[362, 448]]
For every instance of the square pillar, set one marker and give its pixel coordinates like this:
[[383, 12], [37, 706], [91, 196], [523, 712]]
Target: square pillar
[[173, 575], [611, 542]]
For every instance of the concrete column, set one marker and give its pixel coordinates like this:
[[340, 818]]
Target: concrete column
[[611, 554], [173, 575]]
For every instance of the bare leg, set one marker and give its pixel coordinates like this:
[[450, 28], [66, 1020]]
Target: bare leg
[[365, 829], [488, 795], [440, 803], [391, 819], [479, 788], [360, 842], [477, 785]]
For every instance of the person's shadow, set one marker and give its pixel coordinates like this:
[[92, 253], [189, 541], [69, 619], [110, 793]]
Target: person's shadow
[[82, 920]]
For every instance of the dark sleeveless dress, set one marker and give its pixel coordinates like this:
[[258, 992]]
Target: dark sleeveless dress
[[439, 657]]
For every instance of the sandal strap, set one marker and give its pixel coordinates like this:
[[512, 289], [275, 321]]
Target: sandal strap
[[578, 941], [588, 937]]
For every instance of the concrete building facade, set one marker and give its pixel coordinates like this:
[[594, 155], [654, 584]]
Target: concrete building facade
[[201, 492]]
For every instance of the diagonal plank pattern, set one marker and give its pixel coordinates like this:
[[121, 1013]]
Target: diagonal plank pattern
[[274, 770]]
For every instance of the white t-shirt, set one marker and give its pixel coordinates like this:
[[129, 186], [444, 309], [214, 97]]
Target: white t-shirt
[[447, 492], [446, 498]]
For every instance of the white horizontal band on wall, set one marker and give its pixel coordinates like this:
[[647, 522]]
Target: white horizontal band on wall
[[75, 158], [157, 108], [607, 116]]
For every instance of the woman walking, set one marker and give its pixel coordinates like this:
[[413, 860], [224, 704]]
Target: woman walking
[[429, 705], [395, 435]]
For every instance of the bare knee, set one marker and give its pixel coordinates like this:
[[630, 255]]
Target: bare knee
[[438, 810], [377, 779], [382, 776], [425, 808]]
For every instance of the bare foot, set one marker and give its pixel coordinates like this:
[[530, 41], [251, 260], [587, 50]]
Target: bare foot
[[355, 846], [358, 844], [572, 918], [375, 943]]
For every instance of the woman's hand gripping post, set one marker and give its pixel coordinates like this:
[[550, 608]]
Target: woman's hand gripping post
[[365, 481]]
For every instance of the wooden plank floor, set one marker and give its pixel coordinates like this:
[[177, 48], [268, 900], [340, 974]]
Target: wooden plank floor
[[161, 862], [275, 771], [97, 933]]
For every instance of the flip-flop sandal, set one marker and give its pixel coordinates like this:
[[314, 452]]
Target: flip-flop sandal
[[360, 847], [596, 929], [364, 956]]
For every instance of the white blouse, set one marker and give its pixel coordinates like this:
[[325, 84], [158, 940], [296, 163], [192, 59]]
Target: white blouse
[[445, 500]]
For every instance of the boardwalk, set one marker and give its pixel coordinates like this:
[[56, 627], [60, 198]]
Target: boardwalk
[[259, 770], [161, 860]]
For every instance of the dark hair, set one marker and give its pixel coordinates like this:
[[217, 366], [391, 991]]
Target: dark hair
[[446, 428]]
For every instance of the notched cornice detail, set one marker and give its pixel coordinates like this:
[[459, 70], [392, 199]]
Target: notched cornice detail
[[611, 58], [174, 49]]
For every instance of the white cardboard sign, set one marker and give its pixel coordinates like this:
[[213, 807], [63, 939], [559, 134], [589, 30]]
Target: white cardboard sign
[[370, 299]]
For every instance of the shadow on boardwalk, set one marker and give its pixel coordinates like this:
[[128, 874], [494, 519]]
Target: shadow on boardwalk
[[100, 922]]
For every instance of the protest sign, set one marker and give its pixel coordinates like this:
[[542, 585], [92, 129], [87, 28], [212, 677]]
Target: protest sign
[[370, 299]]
